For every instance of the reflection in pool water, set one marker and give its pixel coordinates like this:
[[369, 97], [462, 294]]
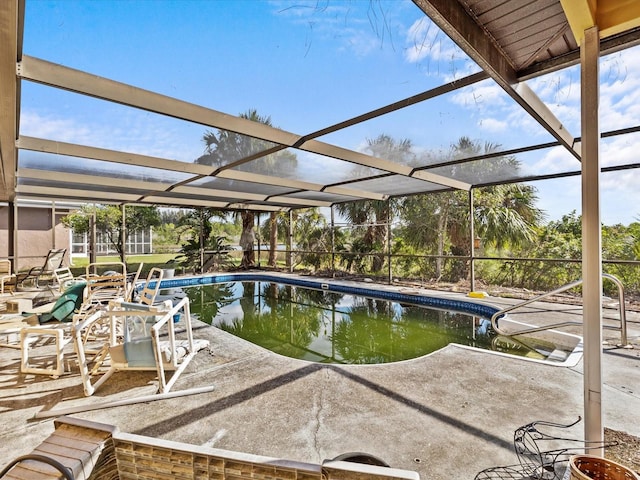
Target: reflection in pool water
[[333, 327]]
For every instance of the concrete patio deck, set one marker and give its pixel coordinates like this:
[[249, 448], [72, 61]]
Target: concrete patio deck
[[446, 415]]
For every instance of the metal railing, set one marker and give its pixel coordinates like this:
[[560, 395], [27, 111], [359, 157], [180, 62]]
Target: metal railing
[[623, 316]]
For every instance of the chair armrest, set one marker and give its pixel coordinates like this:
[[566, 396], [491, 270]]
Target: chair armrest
[[80, 321]]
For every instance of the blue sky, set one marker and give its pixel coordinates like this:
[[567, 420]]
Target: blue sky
[[309, 64]]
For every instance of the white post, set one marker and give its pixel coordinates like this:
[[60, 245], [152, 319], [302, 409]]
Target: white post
[[123, 236], [53, 224], [290, 243], [472, 244], [591, 238]]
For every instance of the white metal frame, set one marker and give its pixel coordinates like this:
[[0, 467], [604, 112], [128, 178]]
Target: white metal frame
[[117, 313]]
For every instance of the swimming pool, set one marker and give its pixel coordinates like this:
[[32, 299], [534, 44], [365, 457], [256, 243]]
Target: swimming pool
[[334, 322]]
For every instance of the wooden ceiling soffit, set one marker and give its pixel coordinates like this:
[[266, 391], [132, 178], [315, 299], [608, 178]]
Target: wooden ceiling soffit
[[608, 46], [455, 22], [59, 76], [611, 16]]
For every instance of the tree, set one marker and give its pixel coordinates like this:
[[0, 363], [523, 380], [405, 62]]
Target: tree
[[223, 147], [313, 237], [374, 215], [204, 250], [427, 223], [108, 220], [503, 214]]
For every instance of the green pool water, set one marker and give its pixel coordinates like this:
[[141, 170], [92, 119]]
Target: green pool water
[[331, 327]]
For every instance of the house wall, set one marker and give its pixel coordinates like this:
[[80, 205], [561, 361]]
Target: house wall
[[36, 235], [4, 231]]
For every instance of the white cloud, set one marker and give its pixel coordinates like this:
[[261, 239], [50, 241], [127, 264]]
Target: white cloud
[[483, 97], [358, 27], [555, 160], [620, 150], [493, 125], [425, 41], [33, 124], [123, 130]]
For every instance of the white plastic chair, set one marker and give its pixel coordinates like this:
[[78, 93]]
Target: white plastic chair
[[6, 277], [99, 290], [142, 346]]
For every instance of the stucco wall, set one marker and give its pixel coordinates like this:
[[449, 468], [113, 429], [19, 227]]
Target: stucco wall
[[35, 235]]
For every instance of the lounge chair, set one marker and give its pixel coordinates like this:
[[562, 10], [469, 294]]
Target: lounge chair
[[108, 285], [39, 277], [148, 342], [64, 278], [56, 324], [83, 299], [150, 289], [7, 279]]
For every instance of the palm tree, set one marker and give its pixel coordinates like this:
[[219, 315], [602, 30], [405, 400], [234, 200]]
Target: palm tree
[[223, 147], [370, 217], [503, 214], [506, 214], [375, 214]]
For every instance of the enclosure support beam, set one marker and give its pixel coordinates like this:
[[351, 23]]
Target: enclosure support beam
[[201, 239], [259, 236], [472, 243], [52, 212], [123, 234], [93, 243], [12, 238], [11, 28], [290, 243], [390, 270], [591, 237], [333, 244]]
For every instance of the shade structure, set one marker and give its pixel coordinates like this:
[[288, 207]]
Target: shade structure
[[318, 162]]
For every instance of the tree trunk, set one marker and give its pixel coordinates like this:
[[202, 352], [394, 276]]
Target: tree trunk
[[381, 239], [442, 226], [247, 240], [273, 239]]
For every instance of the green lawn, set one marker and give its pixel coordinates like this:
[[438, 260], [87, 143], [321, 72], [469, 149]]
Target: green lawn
[[152, 260]]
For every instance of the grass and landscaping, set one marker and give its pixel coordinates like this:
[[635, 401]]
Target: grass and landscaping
[[160, 260]]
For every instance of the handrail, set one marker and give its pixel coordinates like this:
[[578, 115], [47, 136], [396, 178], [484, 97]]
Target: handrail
[[569, 286]]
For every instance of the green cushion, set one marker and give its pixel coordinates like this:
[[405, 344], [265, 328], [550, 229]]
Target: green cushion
[[68, 303]]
